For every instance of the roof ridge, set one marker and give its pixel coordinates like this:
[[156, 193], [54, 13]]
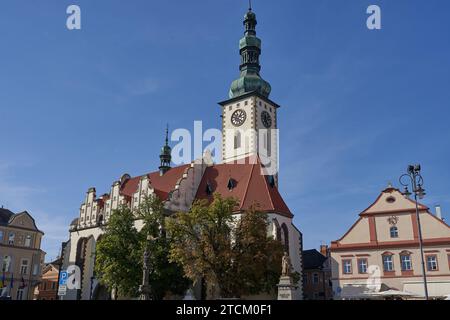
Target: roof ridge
[[246, 189], [269, 193]]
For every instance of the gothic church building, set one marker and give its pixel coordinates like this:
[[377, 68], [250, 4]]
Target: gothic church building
[[249, 125]]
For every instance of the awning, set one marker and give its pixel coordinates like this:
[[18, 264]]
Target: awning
[[360, 291], [436, 288]]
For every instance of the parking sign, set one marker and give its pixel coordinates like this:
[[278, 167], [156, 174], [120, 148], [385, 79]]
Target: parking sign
[[63, 278]]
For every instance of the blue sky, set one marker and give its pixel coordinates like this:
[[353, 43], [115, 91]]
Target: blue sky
[[79, 108]]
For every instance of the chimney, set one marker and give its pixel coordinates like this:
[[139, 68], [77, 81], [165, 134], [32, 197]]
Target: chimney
[[438, 212], [324, 250]]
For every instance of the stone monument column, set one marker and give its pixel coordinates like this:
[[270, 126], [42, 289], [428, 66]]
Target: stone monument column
[[286, 287]]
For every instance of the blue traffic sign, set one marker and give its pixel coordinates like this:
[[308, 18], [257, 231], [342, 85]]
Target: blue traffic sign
[[63, 278]]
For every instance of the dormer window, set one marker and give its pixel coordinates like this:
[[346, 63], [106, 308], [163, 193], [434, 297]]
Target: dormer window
[[394, 232], [231, 184], [208, 190], [271, 180]]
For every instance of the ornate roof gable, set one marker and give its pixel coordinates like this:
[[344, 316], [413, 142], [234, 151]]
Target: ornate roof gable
[[391, 200]]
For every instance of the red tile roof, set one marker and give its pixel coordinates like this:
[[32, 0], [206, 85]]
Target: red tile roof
[[250, 187], [162, 184]]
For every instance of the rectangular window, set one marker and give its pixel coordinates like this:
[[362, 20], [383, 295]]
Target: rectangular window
[[24, 266], [315, 278], [11, 238], [432, 263], [1, 236], [394, 232], [406, 262], [19, 294], [6, 264], [35, 269], [362, 265], [388, 263], [305, 278], [347, 266], [28, 241], [237, 140]]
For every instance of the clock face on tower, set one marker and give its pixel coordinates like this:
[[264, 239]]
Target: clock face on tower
[[238, 117], [266, 119]]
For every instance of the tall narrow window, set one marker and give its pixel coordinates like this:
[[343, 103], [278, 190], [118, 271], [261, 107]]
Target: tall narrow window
[[19, 295], [237, 139], [432, 263], [315, 278], [285, 237], [347, 266], [388, 263], [24, 266], [28, 241], [362, 265], [269, 142], [6, 264], [35, 269], [1, 236], [11, 238], [406, 262]]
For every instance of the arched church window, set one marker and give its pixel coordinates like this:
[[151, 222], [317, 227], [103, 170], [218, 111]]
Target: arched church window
[[285, 236]]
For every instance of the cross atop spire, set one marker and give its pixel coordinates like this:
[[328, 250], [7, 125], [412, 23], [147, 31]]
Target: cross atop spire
[[249, 5], [167, 135]]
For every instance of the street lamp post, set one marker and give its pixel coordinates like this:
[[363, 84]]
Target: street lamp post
[[416, 181], [144, 288]]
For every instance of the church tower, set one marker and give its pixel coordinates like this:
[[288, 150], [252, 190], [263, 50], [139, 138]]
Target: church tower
[[165, 155], [249, 117]]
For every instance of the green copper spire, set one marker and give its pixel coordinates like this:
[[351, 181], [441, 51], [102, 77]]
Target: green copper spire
[[250, 50], [165, 155]]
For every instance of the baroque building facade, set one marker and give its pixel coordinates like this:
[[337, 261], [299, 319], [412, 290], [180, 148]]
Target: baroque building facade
[[381, 250], [243, 175], [21, 256]]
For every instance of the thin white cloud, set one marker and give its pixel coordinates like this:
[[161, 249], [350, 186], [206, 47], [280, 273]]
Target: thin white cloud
[[144, 87]]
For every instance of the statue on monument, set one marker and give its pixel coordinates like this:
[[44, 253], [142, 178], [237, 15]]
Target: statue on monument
[[286, 265]]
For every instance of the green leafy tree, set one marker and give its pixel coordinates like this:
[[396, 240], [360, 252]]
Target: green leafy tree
[[166, 277], [201, 242], [257, 255], [118, 253], [236, 257]]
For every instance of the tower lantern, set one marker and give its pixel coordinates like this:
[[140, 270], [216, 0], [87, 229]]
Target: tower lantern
[[165, 155]]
